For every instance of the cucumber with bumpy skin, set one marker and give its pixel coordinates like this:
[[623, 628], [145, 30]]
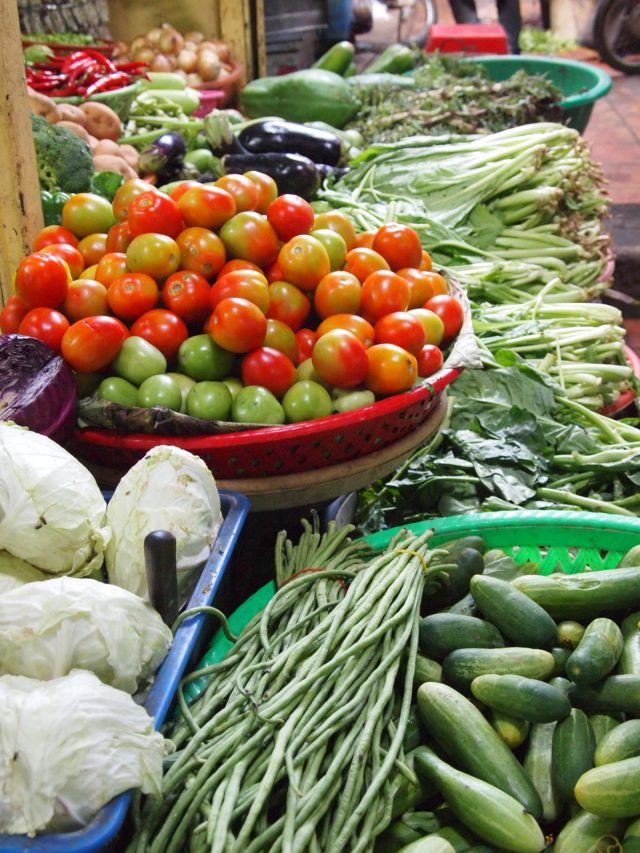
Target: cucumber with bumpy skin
[[572, 752], [519, 618], [442, 633], [597, 653], [537, 766], [611, 790], [527, 698], [462, 666]]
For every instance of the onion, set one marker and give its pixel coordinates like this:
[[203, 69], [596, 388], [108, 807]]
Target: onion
[[154, 34], [194, 36], [171, 42], [143, 54], [160, 62], [137, 43], [208, 46], [187, 60], [37, 388], [222, 49], [208, 65]]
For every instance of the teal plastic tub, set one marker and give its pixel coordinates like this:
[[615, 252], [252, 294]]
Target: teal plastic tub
[[580, 83]]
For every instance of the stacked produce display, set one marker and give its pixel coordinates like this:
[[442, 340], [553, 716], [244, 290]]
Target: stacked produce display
[[458, 669]]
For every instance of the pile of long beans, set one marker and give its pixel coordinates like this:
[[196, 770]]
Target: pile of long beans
[[296, 742]]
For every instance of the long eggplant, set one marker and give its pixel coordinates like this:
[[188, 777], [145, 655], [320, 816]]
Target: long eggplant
[[273, 135], [292, 173]]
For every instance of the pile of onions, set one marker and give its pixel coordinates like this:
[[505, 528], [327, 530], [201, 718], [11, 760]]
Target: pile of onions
[[199, 59]]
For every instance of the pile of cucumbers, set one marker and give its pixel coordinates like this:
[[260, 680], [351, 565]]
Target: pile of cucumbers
[[526, 729]]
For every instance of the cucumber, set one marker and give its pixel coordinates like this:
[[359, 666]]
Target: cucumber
[[512, 730], [631, 558], [583, 595], [413, 731], [429, 844], [446, 582], [409, 827], [337, 58], [487, 811], [597, 653], [602, 724], [458, 837], [633, 830], [469, 740], [462, 666], [162, 80], [561, 683], [537, 766], [442, 633], [408, 794], [466, 606], [572, 752], [617, 693], [519, 618], [526, 698], [560, 657], [569, 634], [611, 790], [629, 663], [621, 742], [426, 670], [588, 833]]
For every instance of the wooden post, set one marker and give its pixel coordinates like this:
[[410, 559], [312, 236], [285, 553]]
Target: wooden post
[[20, 210]]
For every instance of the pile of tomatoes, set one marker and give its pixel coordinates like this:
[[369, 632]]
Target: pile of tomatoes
[[229, 302]]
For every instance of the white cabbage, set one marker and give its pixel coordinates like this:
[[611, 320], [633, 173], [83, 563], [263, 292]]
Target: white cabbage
[[49, 628], [168, 489], [67, 747], [15, 572], [52, 513]]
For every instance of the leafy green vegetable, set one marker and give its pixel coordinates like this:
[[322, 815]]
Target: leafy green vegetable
[[37, 53], [106, 184]]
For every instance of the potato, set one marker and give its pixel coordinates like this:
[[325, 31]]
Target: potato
[[69, 112], [107, 146], [101, 121], [43, 106], [78, 129], [130, 154], [111, 163]]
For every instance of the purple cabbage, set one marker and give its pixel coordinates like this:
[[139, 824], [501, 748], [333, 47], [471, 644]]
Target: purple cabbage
[[37, 387]]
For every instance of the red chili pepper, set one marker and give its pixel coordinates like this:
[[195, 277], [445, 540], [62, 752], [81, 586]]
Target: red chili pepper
[[64, 92], [116, 80], [131, 66], [87, 58]]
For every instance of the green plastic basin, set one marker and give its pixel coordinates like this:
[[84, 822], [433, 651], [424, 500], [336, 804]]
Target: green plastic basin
[[580, 83]]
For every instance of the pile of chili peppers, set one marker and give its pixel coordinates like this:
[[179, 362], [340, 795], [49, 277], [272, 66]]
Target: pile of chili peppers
[[83, 73]]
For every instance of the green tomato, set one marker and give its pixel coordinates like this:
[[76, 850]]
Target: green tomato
[[306, 400], [334, 244], [201, 358], [138, 360], [256, 405], [234, 385], [306, 370], [118, 390], [347, 400], [202, 158], [210, 401], [160, 390], [186, 383]]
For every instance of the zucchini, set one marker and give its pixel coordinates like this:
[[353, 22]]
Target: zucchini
[[583, 595], [429, 844], [468, 738], [617, 693], [537, 766], [597, 653], [569, 634], [426, 670], [490, 813], [602, 724], [526, 698], [588, 833], [611, 790], [519, 618], [572, 752], [462, 666], [512, 730], [629, 663], [621, 742], [560, 657], [442, 633], [337, 58]]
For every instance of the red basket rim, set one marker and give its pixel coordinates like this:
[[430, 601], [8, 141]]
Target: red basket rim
[[331, 424]]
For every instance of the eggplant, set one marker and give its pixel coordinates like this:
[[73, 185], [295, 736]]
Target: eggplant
[[292, 173], [277, 135], [165, 151]]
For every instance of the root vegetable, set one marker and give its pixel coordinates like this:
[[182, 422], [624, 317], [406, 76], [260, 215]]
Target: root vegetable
[[111, 163], [78, 129], [107, 146], [130, 154], [187, 60], [102, 122], [69, 112], [208, 66], [171, 41], [43, 106]]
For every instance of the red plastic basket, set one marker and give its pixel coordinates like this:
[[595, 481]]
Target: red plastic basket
[[277, 450]]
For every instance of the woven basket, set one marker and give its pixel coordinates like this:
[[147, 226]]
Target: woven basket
[[90, 17]]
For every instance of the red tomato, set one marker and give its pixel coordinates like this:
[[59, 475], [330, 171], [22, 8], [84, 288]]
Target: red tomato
[[244, 191], [383, 292], [288, 303], [69, 254], [14, 310], [304, 261], [426, 263], [186, 293], [42, 280], [110, 267], [399, 245], [436, 282], [364, 240], [337, 220], [118, 237], [246, 284], [273, 272], [92, 248], [51, 234], [248, 235], [237, 325], [420, 284], [125, 194], [360, 327], [305, 339], [391, 369], [337, 293], [162, 328], [238, 264], [45, 324], [361, 262], [267, 189], [400, 328], [270, 368], [202, 251], [131, 294], [290, 215], [450, 311], [281, 337], [158, 255], [85, 298], [340, 358], [91, 343], [208, 207], [430, 360], [181, 188], [154, 213]]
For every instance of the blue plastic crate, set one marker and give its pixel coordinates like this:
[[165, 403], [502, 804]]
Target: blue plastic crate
[[100, 834]]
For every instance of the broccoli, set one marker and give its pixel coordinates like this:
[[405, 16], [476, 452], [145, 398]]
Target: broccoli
[[64, 160]]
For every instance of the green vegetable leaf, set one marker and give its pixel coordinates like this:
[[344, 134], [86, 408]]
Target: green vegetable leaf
[[106, 184]]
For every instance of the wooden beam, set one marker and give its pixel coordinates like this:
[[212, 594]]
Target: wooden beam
[[20, 209]]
